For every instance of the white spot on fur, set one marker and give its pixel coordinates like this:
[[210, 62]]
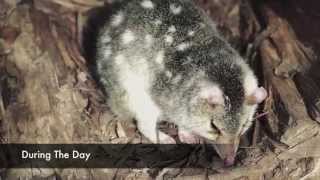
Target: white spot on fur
[[169, 39], [177, 79], [188, 61], [160, 57], [157, 22], [191, 33], [172, 29], [117, 19], [175, 9], [128, 37], [106, 39], [183, 46], [107, 51], [149, 40], [147, 4], [168, 74], [104, 81], [119, 59]]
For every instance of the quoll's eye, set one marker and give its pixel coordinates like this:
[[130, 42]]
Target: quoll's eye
[[215, 128], [212, 105]]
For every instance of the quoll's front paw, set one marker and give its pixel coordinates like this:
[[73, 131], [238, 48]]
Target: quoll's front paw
[[166, 139], [166, 142], [189, 138]]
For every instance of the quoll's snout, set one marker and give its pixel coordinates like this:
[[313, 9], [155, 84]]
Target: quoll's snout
[[227, 151], [226, 146]]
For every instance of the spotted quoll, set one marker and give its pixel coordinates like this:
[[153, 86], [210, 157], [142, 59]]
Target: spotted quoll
[[165, 60]]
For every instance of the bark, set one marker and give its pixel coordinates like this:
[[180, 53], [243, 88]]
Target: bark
[[48, 95]]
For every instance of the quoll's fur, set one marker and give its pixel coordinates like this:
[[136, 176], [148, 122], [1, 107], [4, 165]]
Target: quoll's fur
[[164, 60]]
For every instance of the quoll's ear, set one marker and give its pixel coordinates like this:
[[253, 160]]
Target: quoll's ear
[[213, 95], [257, 96]]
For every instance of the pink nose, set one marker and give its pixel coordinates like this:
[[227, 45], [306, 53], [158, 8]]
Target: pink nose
[[229, 160], [227, 152]]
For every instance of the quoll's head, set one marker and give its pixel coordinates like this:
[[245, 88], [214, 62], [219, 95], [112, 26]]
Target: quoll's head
[[224, 108]]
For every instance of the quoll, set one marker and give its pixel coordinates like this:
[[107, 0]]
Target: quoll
[[165, 60]]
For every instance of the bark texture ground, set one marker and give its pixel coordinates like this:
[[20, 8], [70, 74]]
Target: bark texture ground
[[47, 94]]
